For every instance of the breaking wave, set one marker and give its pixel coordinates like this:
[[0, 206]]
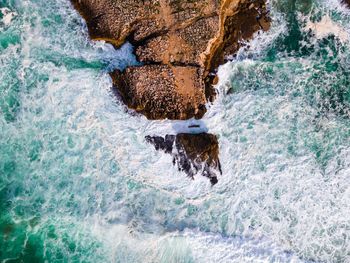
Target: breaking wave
[[79, 183]]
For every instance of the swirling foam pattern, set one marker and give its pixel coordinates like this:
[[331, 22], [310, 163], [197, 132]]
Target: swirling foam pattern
[[79, 183]]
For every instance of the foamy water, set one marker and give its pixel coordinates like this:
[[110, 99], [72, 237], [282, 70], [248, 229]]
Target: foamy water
[[327, 27], [79, 182]]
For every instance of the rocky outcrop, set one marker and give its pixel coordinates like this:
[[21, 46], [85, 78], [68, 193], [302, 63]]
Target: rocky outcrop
[[346, 2], [193, 153], [180, 44]]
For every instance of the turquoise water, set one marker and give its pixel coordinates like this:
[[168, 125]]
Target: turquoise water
[[80, 184]]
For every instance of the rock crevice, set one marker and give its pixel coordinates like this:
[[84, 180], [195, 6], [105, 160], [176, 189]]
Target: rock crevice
[[180, 43]]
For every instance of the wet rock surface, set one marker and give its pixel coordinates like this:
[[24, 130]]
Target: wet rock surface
[[180, 43], [192, 153]]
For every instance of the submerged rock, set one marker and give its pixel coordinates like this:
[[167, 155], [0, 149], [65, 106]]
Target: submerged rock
[[180, 43], [193, 153]]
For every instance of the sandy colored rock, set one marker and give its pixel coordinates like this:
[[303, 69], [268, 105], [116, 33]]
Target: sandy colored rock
[[179, 42], [193, 153], [161, 91]]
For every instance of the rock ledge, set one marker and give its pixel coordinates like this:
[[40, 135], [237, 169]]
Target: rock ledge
[[180, 44]]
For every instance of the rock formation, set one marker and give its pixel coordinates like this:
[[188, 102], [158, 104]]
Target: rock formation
[[347, 2], [193, 153], [180, 44]]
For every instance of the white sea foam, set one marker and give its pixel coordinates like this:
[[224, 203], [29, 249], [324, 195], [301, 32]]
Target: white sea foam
[[7, 16], [95, 171], [327, 27], [253, 128], [186, 246]]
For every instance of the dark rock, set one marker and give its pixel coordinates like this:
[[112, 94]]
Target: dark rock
[[347, 2], [193, 153]]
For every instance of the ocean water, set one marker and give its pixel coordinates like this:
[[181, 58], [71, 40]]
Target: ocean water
[[78, 182]]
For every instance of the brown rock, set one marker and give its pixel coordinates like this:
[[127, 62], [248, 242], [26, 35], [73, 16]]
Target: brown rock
[[158, 91], [347, 2], [180, 42], [192, 153]]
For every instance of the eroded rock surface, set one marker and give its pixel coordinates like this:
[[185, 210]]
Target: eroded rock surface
[[179, 42], [193, 153]]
